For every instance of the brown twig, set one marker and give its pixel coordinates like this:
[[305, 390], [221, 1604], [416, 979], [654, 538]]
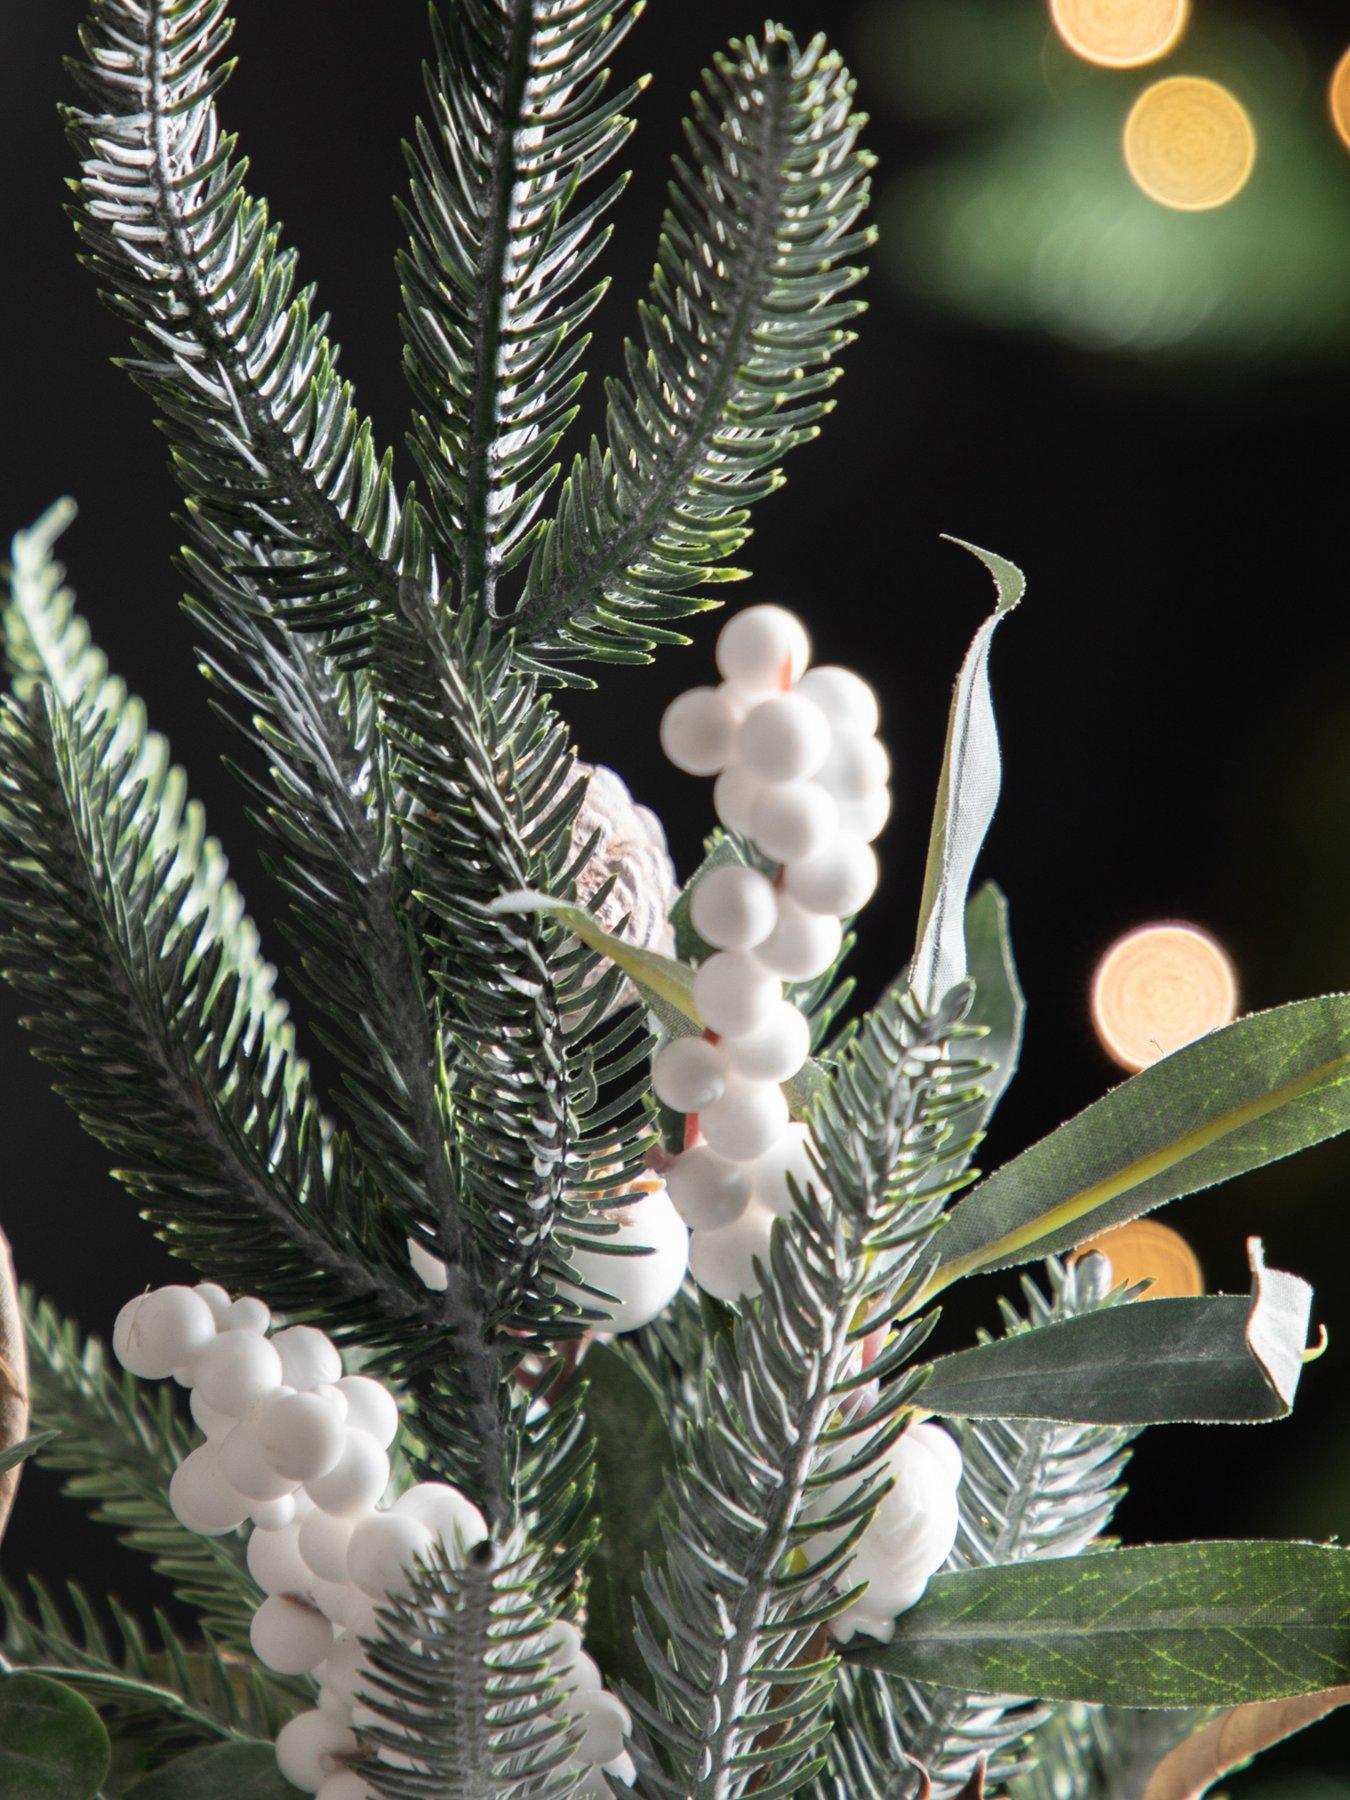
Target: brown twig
[[13, 1378]]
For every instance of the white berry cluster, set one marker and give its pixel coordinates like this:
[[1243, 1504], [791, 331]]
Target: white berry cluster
[[303, 1451], [909, 1536], [800, 774]]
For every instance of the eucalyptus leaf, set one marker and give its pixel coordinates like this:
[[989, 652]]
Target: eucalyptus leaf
[[999, 1004], [633, 1458], [20, 1452], [1240, 1098], [665, 984], [1167, 1625], [239, 1771], [968, 790], [1230, 1742], [52, 1743], [1217, 1358]]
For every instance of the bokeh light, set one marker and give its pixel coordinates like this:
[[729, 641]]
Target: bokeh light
[[1189, 143], [1338, 98], [1146, 1250], [1120, 34], [1160, 987]]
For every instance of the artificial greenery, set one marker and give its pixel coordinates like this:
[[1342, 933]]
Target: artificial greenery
[[390, 656]]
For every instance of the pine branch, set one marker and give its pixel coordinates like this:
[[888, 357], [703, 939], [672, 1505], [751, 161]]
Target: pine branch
[[118, 1447], [1029, 1489], [462, 1684], [747, 312], [730, 1640], [520, 124], [161, 1693], [266, 440]]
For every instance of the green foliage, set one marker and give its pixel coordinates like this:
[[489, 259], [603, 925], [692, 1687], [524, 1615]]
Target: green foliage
[[386, 659], [1155, 1625], [748, 309], [462, 1685], [52, 1745]]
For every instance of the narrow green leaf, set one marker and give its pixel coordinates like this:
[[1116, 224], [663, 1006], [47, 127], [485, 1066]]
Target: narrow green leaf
[[218, 1772], [52, 1743], [1218, 1358], [633, 1457], [1238, 1099], [1156, 1625], [999, 1002], [17, 1453], [968, 790]]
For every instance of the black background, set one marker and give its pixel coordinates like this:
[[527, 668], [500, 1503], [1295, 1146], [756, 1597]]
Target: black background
[[1172, 695]]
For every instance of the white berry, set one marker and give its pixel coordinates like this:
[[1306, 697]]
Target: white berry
[[839, 880], [452, 1516], [733, 908], [846, 699], [734, 993], [158, 1332], [216, 1299], [236, 1371], [722, 1262], [776, 1051], [792, 820], [200, 1497], [763, 648], [274, 1515], [275, 1562], [356, 1480], [382, 1552], [207, 1419], [249, 1314], [748, 1118], [249, 1467], [698, 729], [640, 1287], [308, 1357], [734, 794], [688, 1074], [289, 1635], [705, 1189], [802, 944], [789, 1156], [311, 1746], [855, 767], [866, 818], [345, 1669], [323, 1542], [370, 1407], [300, 1434], [784, 738], [606, 1722]]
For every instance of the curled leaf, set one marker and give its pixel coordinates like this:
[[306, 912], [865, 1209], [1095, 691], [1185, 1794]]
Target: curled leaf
[[1233, 1739]]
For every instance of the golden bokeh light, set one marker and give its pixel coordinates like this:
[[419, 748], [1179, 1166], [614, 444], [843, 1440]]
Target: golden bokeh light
[[1338, 97], [1159, 987], [1147, 1251], [1120, 34], [1189, 143]]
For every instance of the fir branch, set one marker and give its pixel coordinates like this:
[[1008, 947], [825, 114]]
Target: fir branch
[[161, 1693], [118, 1446], [1029, 1489], [743, 1686], [265, 436], [462, 1684], [521, 123], [747, 311]]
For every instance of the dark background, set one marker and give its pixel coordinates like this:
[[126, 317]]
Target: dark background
[[1172, 694]]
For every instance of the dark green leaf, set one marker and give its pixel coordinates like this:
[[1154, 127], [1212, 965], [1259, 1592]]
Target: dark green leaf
[[1238, 1099], [52, 1743], [1156, 1625], [1156, 1362], [967, 795], [20, 1452], [633, 1457], [999, 1003], [218, 1772]]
